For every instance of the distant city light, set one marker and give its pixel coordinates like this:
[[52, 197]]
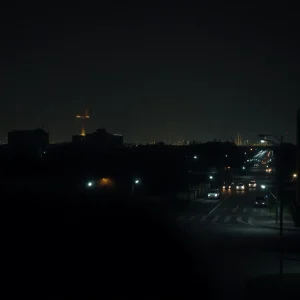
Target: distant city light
[[89, 184], [210, 177], [137, 181], [195, 156]]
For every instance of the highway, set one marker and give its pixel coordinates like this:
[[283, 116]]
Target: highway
[[234, 207], [236, 247]]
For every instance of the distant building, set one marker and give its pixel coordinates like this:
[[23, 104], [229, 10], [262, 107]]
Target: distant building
[[3, 141], [32, 142], [99, 140]]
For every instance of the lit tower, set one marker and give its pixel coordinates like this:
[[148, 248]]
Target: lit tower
[[83, 118], [238, 141]]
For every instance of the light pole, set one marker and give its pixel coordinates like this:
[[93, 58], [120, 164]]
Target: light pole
[[134, 183], [278, 189]]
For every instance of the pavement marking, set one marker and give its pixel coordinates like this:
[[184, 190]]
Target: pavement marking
[[239, 219], [245, 209], [203, 218], [273, 196], [215, 219], [227, 219], [234, 210], [218, 204]]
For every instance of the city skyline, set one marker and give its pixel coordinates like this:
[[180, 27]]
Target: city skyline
[[153, 74]]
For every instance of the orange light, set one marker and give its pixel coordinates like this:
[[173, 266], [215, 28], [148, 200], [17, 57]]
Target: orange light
[[106, 182]]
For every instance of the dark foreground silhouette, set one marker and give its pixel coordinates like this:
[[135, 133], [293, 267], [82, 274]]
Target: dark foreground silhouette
[[114, 248]]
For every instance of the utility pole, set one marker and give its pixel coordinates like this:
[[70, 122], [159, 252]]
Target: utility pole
[[279, 197], [279, 194], [297, 203], [277, 203]]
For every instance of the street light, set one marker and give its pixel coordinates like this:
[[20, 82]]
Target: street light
[[211, 177], [89, 184], [195, 156], [134, 183], [279, 198]]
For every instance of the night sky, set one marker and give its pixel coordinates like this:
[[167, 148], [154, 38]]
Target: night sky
[[162, 73]]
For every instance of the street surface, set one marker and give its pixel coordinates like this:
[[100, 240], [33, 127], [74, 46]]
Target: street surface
[[225, 228], [233, 208]]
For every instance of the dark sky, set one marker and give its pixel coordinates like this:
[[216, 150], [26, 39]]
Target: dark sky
[[157, 72]]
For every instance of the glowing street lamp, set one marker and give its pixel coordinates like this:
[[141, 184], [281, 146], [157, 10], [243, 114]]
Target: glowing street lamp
[[90, 184], [134, 183]]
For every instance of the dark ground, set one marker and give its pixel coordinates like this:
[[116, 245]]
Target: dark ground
[[59, 243]]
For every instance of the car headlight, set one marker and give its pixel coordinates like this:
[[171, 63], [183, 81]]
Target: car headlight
[[263, 203], [254, 184], [229, 187], [224, 186], [243, 187]]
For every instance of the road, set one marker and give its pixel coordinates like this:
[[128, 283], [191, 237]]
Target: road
[[234, 207], [240, 250]]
